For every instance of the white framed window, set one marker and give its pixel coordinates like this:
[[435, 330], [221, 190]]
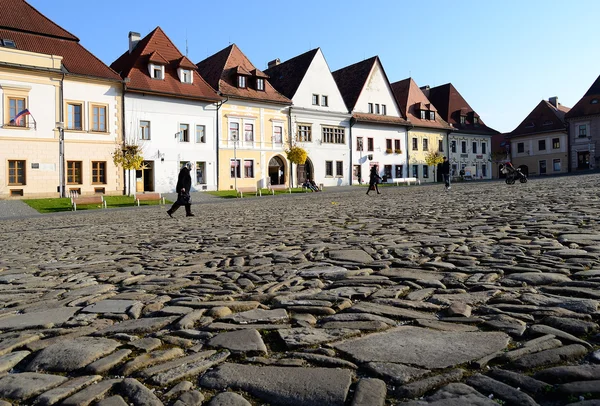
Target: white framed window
[[201, 173], [463, 119], [329, 169], [185, 75], [359, 144], [484, 170], [474, 150], [425, 171], [463, 147], [260, 84], [415, 144], [248, 132], [144, 130], [422, 114], [277, 134], [425, 144], [415, 171], [184, 133], [334, 135], [304, 133], [383, 110], [339, 169], [541, 145], [315, 99], [156, 71], [234, 131], [555, 143], [453, 146], [248, 168], [483, 147], [542, 167], [201, 134], [520, 148], [241, 81], [324, 101], [432, 115], [377, 111], [236, 171], [370, 108]]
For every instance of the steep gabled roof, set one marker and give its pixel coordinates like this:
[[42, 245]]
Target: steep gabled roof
[[351, 80], [221, 71], [33, 32], [287, 76], [411, 100], [18, 15], [156, 47], [589, 104], [451, 105], [543, 118]]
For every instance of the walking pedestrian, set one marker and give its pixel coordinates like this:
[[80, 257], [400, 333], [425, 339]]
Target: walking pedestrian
[[184, 184], [446, 172], [374, 178]]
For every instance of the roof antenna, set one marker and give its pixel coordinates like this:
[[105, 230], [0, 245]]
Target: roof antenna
[[186, 44]]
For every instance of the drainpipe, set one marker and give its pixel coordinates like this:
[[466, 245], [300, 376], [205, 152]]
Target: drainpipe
[[407, 149], [290, 138], [352, 122], [126, 186], [219, 104], [61, 140]]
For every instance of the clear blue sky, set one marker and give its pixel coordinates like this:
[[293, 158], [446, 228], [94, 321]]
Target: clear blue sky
[[502, 56]]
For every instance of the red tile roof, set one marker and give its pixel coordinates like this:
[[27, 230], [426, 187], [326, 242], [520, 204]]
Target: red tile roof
[[157, 47], [18, 15], [33, 32], [287, 76], [351, 80], [379, 119], [411, 100], [221, 69], [589, 104], [543, 118], [451, 104]]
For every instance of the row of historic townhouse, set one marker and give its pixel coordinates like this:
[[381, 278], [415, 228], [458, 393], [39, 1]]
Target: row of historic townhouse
[[65, 114]]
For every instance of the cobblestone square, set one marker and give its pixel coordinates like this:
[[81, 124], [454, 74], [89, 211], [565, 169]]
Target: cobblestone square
[[416, 296]]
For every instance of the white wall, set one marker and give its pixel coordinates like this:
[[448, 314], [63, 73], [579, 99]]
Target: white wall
[[165, 116], [472, 161], [377, 91], [379, 133]]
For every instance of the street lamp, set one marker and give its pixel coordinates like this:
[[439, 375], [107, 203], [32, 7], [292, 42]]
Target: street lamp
[[61, 158]]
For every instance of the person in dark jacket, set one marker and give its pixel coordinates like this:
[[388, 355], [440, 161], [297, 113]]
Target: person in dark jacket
[[446, 172], [184, 184], [373, 179]]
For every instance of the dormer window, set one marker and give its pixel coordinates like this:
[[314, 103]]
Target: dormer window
[[157, 71], [475, 120], [432, 115], [422, 114], [185, 75], [463, 119], [260, 84], [594, 101], [241, 81]]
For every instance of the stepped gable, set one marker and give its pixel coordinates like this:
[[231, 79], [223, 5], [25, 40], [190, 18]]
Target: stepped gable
[[157, 48]]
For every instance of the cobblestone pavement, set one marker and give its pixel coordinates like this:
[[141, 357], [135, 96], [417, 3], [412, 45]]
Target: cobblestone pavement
[[487, 294]]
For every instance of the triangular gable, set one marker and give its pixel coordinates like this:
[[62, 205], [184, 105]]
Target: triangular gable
[[156, 57], [411, 101], [589, 104], [287, 76], [351, 80]]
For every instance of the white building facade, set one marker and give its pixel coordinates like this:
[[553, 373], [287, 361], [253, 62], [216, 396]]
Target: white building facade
[[470, 153]]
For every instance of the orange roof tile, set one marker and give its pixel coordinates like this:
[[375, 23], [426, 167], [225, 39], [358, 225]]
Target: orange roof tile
[[222, 68], [134, 66], [412, 100]]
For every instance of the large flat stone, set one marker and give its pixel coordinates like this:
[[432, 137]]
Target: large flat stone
[[72, 354], [258, 316], [287, 386], [27, 384], [145, 325], [43, 319], [110, 306], [359, 256], [299, 336], [423, 347], [239, 341]]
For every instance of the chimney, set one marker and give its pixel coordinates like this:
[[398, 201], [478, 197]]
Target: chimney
[[134, 38], [274, 62], [425, 90], [553, 101]]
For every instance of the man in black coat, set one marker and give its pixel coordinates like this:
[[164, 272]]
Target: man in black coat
[[184, 184], [374, 178], [446, 172]]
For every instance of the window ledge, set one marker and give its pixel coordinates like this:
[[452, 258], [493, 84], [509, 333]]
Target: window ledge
[[15, 127], [99, 132], [17, 184]]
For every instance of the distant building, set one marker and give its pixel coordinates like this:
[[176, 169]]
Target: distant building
[[252, 124], [470, 142], [539, 145], [428, 131], [61, 115], [377, 127], [170, 112], [584, 129], [319, 119]]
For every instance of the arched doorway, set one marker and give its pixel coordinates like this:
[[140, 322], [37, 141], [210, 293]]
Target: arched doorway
[[305, 171], [277, 171]]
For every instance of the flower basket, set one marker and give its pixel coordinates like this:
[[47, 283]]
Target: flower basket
[[388, 151], [398, 151]]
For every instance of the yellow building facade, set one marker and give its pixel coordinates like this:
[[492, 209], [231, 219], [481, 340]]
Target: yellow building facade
[[420, 142]]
